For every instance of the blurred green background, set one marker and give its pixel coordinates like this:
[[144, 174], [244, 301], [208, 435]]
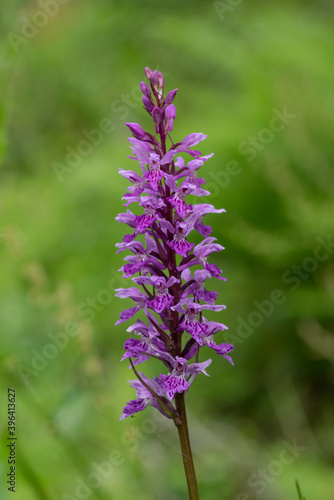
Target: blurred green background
[[66, 67]]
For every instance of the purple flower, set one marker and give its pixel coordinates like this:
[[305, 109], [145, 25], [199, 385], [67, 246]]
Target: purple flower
[[221, 349], [133, 406], [142, 259], [135, 348], [196, 218], [151, 213], [197, 288], [163, 298], [190, 141], [176, 381], [145, 397], [148, 344], [179, 244], [160, 256], [177, 200], [154, 174], [137, 296], [170, 112]]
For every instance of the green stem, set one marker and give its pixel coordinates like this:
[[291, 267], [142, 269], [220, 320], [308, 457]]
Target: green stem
[[186, 449]]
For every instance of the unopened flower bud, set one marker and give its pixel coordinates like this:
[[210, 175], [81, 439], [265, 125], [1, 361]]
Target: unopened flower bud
[[171, 111], [147, 103], [136, 130], [161, 80], [154, 78], [170, 96], [148, 73], [145, 89], [156, 115]]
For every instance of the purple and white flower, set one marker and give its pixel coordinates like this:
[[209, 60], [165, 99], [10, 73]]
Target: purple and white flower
[[163, 259]]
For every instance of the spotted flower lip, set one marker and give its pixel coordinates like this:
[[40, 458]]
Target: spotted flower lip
[[176, 381], [169, 272], [179, 244], [163, 298], [145, 397], [151, 206]]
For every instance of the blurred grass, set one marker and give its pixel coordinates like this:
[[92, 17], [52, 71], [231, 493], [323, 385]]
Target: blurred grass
[[57, 243]]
